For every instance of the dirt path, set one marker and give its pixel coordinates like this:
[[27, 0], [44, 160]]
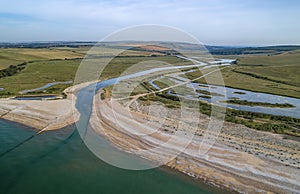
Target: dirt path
[[168, 88]]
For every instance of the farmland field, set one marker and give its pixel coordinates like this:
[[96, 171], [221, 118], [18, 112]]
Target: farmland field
[[13, 56], [42, 69], [275, 74]]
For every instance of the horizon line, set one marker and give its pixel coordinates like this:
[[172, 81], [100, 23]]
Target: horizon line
[[93, 41]]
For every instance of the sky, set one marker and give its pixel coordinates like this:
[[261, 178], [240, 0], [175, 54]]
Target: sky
[[213, 22]]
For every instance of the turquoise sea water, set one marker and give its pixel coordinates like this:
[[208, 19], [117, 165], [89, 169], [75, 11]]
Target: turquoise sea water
[[58, 162]]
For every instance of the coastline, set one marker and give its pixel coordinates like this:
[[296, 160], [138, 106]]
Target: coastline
[[238, 172], [241, 160]]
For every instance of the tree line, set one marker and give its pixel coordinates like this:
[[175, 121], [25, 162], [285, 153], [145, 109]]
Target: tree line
[[12, 70]]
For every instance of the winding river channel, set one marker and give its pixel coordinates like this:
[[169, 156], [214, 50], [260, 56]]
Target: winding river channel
[[59, 162], [232, 93], [85, 99]]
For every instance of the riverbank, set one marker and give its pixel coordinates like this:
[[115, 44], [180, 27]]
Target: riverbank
[[264, 104], [43, 115], [229, 84], [242, 159]]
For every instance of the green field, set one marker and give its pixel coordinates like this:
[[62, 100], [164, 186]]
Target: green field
[[14, 56], [284, 68], [40, 72], [118, 65], [275, 74], [269, 73]]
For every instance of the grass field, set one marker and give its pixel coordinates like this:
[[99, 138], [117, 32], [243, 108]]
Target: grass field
[[287, 58], [13, 56], [41, 72], [275, 74], [118, 65], [46, 65], [108, 51], [284, 67]]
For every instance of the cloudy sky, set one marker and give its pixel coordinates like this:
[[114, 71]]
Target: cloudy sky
[[215, 22]]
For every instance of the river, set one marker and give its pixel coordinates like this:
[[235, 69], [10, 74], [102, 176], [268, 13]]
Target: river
[[59, 162], [233, 93]]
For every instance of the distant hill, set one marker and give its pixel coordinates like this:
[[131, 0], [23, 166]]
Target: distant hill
[[215, 50]]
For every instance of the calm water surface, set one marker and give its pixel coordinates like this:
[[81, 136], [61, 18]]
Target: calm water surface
[[58, 162]]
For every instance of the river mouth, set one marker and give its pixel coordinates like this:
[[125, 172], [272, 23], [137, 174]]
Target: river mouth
[[60, 158], [86, 95], [58, 161]]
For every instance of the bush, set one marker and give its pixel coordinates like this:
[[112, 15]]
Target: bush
[[12, 70]]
